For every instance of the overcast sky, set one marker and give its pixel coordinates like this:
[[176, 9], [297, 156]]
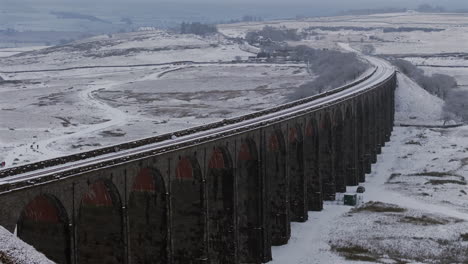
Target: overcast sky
[[321, 3]]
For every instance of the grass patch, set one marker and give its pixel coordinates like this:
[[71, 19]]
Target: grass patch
[[115, 133], [423, 220], [464, 237], [464, 161], [441, 182], [378, 207], [412, 142], [5, 259], [356, 253], [393, 176], [435, 174]]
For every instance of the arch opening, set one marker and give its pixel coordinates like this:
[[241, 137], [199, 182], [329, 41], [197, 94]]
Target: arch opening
[[368, 134], [326, 159], [249, 204], [276, 172], [147, 218], [188, 213], [100, 227], [339, 154], [374, 128], [297, 183], [350, 149], [43, 224], [360, 141], [311, 167], [220, 189]]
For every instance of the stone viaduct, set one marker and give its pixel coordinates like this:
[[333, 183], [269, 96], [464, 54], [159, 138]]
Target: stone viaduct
[[223, 198]]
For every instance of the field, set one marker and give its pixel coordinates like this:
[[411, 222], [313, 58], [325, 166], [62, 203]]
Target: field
[[105, 91]]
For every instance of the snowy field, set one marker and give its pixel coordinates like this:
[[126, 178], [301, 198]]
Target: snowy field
[[415, 208], [47, 114]]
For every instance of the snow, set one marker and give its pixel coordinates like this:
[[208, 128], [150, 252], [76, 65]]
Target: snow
[[46, 114], [422, 171], [19, 252], [452, 39]]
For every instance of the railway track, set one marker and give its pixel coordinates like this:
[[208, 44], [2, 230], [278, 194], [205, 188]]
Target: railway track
[[63, 167]]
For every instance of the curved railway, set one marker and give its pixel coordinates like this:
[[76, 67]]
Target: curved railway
[[128, 151], [219, 193]]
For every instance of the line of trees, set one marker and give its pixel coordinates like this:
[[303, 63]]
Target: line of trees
[[441, 85], [272, 34], [436, 84], [332, 68], [197, 28]]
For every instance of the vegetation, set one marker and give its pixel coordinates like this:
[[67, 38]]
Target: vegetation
[[411, 29], [197, 28], [426, 8], [437, 84], [441, 85], [356, 253], [424, 220], [378, 207], [269, 33], [72, 15], [333, 69]]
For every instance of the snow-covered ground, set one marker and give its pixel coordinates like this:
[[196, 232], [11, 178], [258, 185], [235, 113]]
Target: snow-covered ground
[[421, 176], [46, 114], [414, 209], [369, 29]]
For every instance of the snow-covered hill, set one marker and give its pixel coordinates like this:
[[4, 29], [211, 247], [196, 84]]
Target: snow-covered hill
[[414, 105]]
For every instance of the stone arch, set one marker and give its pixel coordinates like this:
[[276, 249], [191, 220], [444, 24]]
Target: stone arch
[[297, 184], [44, 224], [350, 148], [220, 193], [311, 166], [249, 204], [147, 218], [276, 172], [99, 225], [188, 212], [338, 151], [326, 158]]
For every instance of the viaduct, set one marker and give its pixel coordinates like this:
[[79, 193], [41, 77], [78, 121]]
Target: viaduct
[[221, 193]]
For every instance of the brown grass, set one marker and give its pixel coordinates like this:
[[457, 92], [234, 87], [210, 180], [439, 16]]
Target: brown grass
[[441, 182], [5, 259], [356, 253], [423, 220], [378, 207]]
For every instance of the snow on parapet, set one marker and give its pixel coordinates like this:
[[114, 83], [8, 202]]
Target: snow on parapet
[[13, 250]]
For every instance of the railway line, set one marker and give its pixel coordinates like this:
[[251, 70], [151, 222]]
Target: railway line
[[57, 168]]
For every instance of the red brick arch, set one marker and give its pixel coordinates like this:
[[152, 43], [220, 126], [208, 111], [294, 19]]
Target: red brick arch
[[44, 224]]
